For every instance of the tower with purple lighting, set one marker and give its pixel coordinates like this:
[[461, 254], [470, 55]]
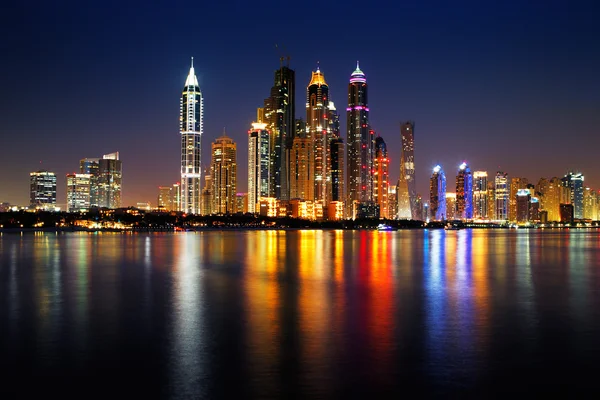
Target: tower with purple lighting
[[360, 144]]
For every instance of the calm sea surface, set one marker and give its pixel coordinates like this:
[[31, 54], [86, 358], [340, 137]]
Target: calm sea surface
[[301, 314]]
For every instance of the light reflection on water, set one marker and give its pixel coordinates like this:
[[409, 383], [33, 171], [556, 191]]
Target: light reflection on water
[[300, 313]]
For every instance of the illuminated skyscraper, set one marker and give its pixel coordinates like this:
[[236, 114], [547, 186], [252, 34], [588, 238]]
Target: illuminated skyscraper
[[393, 202], [573, 182], [360, 144], [501, 194], [206, 197], [78, 192], [190, 128], [176, 197], [381, 177], [90, 166], [590, 204], [337, 169], [259, 167], [279, 116], [480, 195], [407, 193], [491, 199], [110, 176], [464, 192], [224, 171], [552, 199], [523, 205], [451, 206], [317, 108], [515, 185], [42, 189], [165, 198], [437, 194]]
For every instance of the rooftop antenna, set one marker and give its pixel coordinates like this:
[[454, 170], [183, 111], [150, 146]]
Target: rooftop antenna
[[192, 62], [282, 56]]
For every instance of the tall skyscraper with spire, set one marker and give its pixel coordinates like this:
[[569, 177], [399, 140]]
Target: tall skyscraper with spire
[[407, 191], [279, 116], [190, 128], [360, 144], [317, 109]]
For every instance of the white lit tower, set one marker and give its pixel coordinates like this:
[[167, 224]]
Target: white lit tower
[[190, 127]]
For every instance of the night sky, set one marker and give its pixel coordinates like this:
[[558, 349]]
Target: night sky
[[509, 84]]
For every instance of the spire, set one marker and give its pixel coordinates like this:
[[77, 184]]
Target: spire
[[191, 78], [317, 77], [224, 132], [358, 75]]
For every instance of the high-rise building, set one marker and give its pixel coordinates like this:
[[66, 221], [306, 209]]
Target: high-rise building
[[590, 204], [541, 188], [337, 169], [551, 202], [110, 176], [90, 166], [206, 196], [480, 195], [451, 206], [437, 194], [78, 192], [566, 213], [464, 192], [42, 189], [515, 185], [279, 109], [359, 185], [176, 197], [523, 199], [393, 202], [317, 108], [381, 177], [165, 198], [407, 171], [242, 202], [259, 162], [190, 128], [224, 171], [573, 182], [501, 195], [491, 199]]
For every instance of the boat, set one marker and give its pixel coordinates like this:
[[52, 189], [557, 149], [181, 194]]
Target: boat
[[451, 227], [385, 228]]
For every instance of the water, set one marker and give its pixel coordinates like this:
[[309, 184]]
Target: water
[[301, 314]]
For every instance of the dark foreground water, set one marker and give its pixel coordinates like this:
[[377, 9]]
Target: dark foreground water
[[306, 314]]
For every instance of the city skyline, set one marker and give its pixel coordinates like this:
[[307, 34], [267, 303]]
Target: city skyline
[[504, 92]]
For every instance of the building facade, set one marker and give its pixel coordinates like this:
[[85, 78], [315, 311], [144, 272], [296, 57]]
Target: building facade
[[190, 129], [259, 163], [109, 181], [464, 192], [480, 195], [42, 189], [407, 194], [516, 184], [501, 194], [224, 172], [78, 192], [381, 177], [359, 185], [437, 194]]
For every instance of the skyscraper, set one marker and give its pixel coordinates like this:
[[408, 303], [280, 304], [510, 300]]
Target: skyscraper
[[360, 144], [90, 166], [317, 108], [165, 198], [110, 175], [437, 194], [279, 109], [407, 192], [464, 192], [515, 185], [337, 169], [190, 128], [552, 199], [451, 206], [501, 194], [259, 166], [480, 195], [224, 170], [381, 178], [78, 192], [590, 204], [573, 182], [206, 197], [523, 205], [42, 189]]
